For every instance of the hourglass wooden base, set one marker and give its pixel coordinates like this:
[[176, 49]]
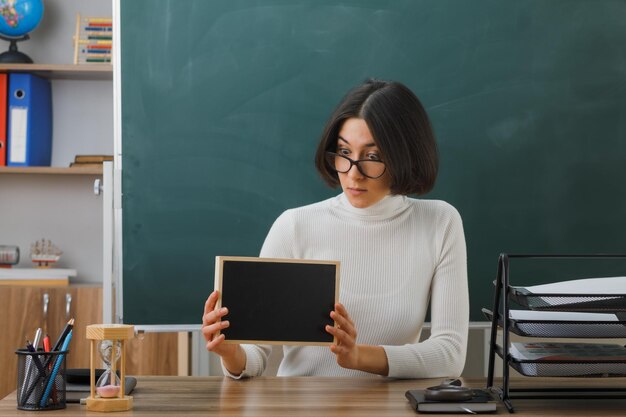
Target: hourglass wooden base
[[110, 404], [113, 332]]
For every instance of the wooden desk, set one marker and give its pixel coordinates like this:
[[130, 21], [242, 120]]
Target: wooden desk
[[276, 397]]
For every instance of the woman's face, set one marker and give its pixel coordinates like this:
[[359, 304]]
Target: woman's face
[[356, 142]]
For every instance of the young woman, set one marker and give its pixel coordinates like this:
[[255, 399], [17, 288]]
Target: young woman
[[398, 254]]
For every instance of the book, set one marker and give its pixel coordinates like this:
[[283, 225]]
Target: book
[[36, 276], [85, 164], [481, 402], [92, 158]]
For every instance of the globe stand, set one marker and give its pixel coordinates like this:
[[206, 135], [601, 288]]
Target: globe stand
[[13, 56]]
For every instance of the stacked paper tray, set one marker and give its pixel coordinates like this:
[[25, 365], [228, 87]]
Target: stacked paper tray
[[568, 359], [589, 295], [568, 302], [570, 369], [564, 324]]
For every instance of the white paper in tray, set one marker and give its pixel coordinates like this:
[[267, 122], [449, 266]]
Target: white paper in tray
[[609, 285], [578, 288], [531, 315], [567, 324]]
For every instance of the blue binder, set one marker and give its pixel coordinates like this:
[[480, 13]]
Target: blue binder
[[29, 121]]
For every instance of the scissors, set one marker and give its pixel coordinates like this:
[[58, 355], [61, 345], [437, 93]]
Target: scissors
[[448, 390]]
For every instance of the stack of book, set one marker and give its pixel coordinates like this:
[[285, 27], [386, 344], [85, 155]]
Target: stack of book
[[90, 161], [93, 40], [482, 401], [36, 276]]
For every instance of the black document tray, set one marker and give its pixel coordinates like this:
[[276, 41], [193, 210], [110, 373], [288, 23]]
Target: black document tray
[[597, 303], [564, 328]]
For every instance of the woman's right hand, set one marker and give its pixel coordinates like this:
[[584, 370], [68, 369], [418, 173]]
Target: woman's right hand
[[233, 356]]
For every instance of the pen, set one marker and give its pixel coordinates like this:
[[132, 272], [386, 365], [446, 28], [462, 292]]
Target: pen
[[55, 370], [62, 336], [29, 391], [29, 366], [37, 339], [66, 330], [35, 358]]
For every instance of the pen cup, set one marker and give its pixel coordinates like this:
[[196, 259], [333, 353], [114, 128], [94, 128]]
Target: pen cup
[[40, 380]]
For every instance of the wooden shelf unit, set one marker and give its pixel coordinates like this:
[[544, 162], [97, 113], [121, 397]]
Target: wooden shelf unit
[[92, 72], [51, 170], [63, 71]]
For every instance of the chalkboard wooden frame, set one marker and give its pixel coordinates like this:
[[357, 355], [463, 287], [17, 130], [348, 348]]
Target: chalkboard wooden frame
[[274, 306]]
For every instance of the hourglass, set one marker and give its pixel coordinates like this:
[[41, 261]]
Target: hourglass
[[108, 385], [108, 393]]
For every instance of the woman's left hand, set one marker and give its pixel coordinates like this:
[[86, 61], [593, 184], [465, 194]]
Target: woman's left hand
[[344, 331]]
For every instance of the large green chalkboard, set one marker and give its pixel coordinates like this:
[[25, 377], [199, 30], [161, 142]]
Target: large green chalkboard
[[223, 103]]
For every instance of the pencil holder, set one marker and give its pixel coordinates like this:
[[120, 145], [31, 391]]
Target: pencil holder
[[40, 380]]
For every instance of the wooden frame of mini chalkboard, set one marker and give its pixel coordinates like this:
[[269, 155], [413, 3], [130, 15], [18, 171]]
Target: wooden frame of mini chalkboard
[[277, 301]]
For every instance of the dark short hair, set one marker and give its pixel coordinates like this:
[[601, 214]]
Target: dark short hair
[[400, 127]]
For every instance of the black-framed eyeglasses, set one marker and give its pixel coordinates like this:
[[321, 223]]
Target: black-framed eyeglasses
[[368, 167]]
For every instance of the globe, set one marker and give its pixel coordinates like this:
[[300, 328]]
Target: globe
[[17, 19]]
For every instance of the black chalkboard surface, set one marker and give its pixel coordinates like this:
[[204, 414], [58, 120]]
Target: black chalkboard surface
[[223, 104], [277, 301]]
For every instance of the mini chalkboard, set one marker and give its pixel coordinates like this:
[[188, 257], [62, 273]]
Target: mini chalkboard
[[277, 301]]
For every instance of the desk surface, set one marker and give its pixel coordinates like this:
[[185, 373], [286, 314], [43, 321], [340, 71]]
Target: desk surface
[[280, 396]]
